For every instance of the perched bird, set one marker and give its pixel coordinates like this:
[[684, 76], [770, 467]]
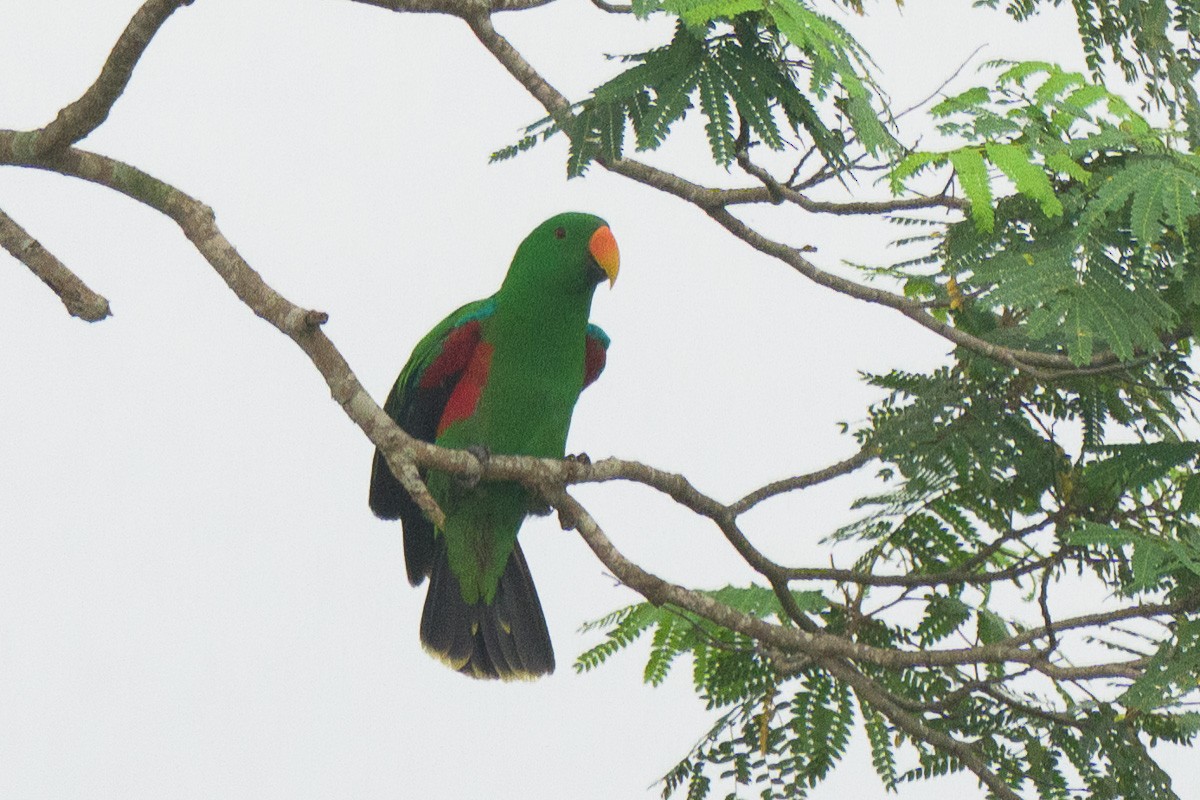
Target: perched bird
[[500, 375]]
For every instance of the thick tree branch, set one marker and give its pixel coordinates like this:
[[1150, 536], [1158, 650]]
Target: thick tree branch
[[80, 118], [80, 301], [301, 325], [816, 644]]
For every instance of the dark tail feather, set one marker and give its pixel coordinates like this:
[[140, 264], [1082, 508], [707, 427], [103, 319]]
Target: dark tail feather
[[390, 500], [506, 640]]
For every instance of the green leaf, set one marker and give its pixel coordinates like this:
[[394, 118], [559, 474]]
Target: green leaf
[[1189, 501], [966, 101], [644, 8], [1029, 178], [1173, 669], [991, 627], [714, 103], [912, 164], [611, 124], [1061, 162], [1149, 559], [836, 59], [697, 13], [972, 174], [626, 626], [745, 73], [1056, 83], [665, 647], [582, 148], [1087, 96], [883, 756], [943, 616], [1018, 72]]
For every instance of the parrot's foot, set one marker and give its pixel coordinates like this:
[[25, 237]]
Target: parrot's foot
[[482, 455], [581, 458]]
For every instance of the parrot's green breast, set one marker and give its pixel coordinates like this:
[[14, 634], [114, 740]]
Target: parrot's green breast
[[529, 389]]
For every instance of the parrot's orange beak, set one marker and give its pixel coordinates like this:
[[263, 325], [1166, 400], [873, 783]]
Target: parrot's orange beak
[[603, 248]]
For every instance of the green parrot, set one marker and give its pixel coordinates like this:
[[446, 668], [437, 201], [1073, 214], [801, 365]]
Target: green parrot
[[500, 375]]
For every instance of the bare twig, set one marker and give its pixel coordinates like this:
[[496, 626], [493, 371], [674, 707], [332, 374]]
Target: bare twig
[[603, 5], [942, 85], [456, 8], [1189, 604], [918, 579], [803, 481], [80, 301]]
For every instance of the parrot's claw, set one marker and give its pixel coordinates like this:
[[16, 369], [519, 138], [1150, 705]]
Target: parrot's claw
[[482, 455], [581, 458]]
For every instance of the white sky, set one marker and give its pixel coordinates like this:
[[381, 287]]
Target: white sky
[[195, 600]]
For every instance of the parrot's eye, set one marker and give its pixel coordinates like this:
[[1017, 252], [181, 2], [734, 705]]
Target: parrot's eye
[[560, 233]]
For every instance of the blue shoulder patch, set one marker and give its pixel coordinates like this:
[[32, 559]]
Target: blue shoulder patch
[[596, 332]]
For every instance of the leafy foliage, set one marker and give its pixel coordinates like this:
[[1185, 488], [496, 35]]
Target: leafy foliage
[[740, 60], [1080, 246], [1102, 267], [1155, 40]]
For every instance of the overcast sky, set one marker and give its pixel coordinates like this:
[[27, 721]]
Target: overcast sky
[[195, 600]]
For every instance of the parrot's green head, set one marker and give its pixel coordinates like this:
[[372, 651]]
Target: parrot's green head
[[568, 253]]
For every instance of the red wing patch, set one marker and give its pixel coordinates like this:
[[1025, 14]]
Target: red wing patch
[[456, 352], [465, 397], [594, 357]]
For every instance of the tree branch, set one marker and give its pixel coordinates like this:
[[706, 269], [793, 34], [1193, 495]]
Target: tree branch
[[845, 467], [455, 8], [912, 724], [776, 192], [80, 118], [80, 301], [1188, 604], [612, 9]]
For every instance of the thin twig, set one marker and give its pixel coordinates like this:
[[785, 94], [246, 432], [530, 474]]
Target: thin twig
[[943, 84], [845, 467], [455, 8], [603, 5]]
